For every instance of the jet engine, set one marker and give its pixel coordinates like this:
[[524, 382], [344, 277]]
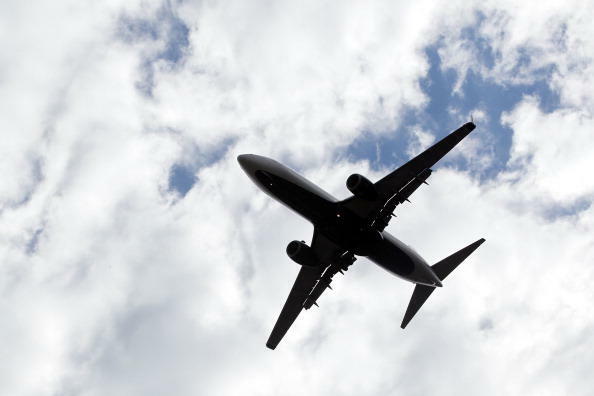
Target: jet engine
[[361, 187], [302, 254]]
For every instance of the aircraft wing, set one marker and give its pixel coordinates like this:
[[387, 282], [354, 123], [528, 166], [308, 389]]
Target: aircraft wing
[[305, 282], [397, 186], [392, 183], [306, 279]]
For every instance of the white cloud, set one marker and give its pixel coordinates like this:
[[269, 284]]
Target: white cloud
[[555, 149], [110, 285], [422, 140], [299, 71], [518, 43]]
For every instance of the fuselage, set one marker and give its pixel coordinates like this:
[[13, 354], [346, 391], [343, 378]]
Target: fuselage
[[336, 222]]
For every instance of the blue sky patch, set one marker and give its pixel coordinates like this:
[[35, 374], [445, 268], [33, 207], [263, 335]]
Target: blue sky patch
[[183, 174], [164, 25], [446, 111], [181, 178]]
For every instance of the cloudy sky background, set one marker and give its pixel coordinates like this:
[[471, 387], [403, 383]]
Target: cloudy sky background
[[137, 259]]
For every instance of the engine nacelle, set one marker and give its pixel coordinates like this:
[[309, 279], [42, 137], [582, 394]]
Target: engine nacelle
[[302, 254], [361, 187]]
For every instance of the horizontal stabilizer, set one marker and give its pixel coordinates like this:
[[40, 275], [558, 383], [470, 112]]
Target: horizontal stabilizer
[[419, 296], [442, 270], [448, 264]]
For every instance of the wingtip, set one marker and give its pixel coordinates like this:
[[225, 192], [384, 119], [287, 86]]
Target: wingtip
[[270, 346]]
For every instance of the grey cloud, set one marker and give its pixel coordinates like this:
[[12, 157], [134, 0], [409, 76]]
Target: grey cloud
[[31, 246], [164, 37]]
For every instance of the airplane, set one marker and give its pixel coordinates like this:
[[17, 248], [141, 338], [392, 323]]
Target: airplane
[[344, 229]]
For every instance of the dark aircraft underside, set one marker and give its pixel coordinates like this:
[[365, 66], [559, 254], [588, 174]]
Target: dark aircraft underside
[[353, 227]]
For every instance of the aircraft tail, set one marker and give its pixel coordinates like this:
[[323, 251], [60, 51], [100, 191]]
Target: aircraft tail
[[442, 269]]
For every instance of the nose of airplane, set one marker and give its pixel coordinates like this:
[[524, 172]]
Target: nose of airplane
[[244, 161], [250, 163]]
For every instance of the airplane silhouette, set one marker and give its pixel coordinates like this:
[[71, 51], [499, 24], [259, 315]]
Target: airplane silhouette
[[354, 227]]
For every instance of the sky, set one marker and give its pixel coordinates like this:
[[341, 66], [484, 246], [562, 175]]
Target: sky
[[136, 258]]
